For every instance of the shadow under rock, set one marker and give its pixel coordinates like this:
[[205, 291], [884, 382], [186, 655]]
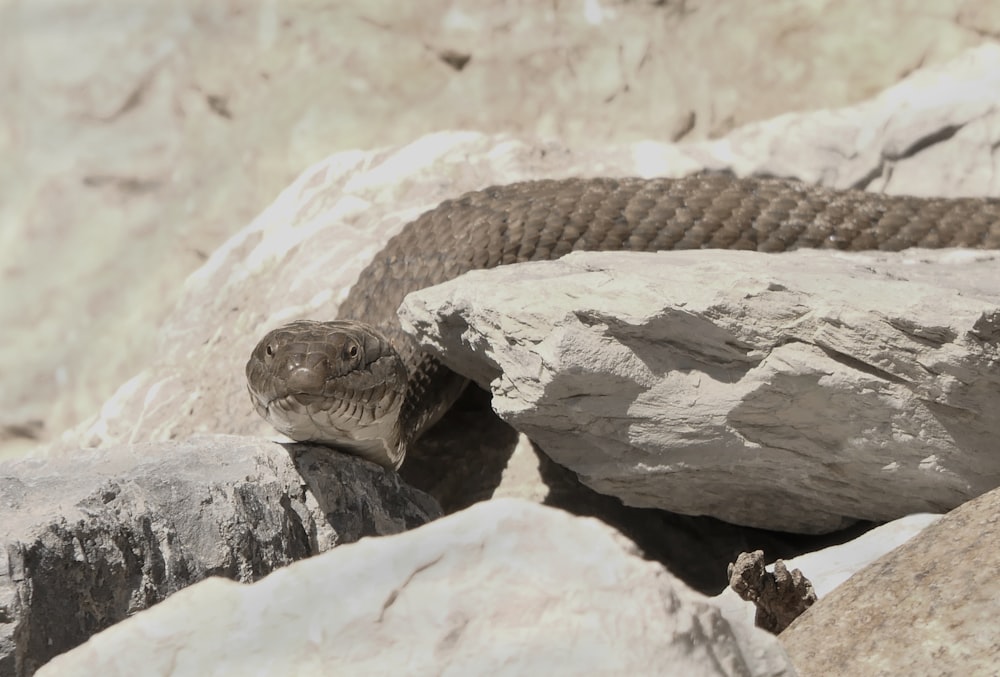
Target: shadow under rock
[[460, 461], [695, 549]]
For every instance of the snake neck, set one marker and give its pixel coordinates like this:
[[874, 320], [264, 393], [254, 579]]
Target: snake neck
[[430, 392]]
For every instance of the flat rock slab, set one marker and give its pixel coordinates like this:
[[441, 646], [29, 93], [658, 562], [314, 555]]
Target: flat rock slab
[[89, 540], [503, 588], [930, 607], [797, 392]]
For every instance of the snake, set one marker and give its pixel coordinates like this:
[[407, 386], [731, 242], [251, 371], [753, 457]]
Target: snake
[[361, 385]]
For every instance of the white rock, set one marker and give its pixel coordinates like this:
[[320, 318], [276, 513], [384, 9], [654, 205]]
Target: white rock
[[829, 567], [503, 588], [796, 392], [298, 258]]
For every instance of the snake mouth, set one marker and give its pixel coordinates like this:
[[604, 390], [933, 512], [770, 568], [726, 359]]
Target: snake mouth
[[338, 424], [302, 399], [357, 412]]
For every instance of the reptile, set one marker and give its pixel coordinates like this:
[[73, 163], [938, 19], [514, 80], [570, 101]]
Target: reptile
[[361, 385]]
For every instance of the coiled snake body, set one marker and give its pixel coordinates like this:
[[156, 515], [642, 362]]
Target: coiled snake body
[[364, 386]]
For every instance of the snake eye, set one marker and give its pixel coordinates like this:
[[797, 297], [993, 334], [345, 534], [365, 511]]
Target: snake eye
[[269, 350], [352, 350]]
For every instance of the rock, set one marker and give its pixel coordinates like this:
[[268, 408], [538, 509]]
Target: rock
[[503, 588], [298, 257], [695, 549], [807, 391], [779, 595], [88, 541], [929, 607], [139, 141], [828, 567]]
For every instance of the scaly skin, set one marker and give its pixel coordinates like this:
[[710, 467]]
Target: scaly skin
[[376, 402]]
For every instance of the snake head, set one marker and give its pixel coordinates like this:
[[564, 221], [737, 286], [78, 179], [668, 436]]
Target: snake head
[[336, 383]]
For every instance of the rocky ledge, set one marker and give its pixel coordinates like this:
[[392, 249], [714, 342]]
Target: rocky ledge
[[823, 405]]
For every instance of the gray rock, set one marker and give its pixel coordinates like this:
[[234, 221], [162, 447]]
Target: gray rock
[[808, 390], [929, 607], [503, 588], [88, 541]]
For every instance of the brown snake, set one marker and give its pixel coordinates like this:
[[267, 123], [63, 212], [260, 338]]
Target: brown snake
[[363, 386]]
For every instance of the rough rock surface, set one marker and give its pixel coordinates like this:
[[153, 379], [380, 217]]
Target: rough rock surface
[[929, 607], [779, 595], [502, 588], [137, 141], [934, 133], [806, 391], [88, 541], [827, 568]]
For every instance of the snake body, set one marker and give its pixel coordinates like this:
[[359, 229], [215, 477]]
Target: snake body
[[362, 385]]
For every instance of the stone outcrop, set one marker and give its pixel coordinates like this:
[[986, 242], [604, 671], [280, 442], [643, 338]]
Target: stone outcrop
[[934, 133], [929, 607], [299, 256], [804, 392], [138, 142], [503, 588], [90, 540]]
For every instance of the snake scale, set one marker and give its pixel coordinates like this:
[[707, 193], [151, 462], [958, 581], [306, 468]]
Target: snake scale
[[361, 385]]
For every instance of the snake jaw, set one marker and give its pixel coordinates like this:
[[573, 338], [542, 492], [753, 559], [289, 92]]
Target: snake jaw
[[335, 383]]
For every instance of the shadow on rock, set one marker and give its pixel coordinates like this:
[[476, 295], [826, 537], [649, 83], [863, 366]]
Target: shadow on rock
[[462, 460]]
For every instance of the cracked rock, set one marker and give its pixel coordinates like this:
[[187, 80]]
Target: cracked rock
[[503, 588], [89, 540], [808, 390]]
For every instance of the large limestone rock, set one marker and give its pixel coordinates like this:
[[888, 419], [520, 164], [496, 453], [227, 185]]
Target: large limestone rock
[[88, 541], [930, 607], [298, 258], [503, 588], [802, 392], [135, 142]]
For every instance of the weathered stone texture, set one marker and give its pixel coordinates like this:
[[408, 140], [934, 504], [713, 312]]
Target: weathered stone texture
[[88, 541], [503, 588], [796, 392], [929, 607]]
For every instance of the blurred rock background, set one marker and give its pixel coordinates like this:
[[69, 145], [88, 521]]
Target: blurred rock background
[[137, 135]]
